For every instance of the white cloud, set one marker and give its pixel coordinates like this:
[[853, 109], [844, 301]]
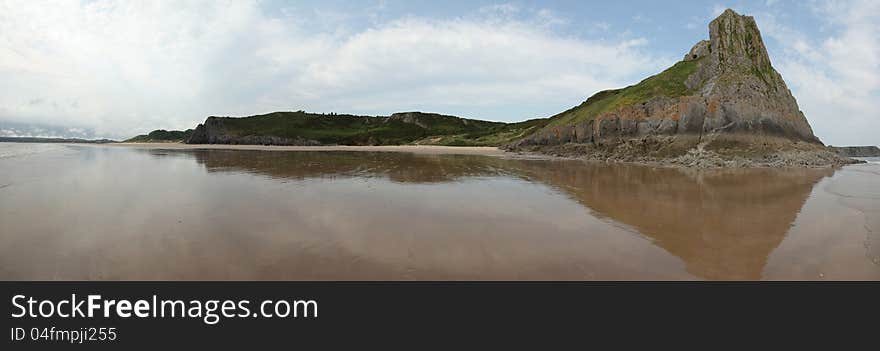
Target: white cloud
[[505, 9], [125, 67]]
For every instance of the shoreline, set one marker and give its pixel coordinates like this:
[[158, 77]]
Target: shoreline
[[698, 160]]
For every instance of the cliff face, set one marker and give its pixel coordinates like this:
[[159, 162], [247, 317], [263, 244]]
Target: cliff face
[[214, 131], [723, 86]]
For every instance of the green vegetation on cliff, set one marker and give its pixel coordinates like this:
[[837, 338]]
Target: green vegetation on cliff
[[162, 136], [399, 128], [490, 136], [669, 83]]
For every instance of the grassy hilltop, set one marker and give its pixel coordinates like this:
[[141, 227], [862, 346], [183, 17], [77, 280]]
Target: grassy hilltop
[[162, 136], [341, 129], [669, 83]]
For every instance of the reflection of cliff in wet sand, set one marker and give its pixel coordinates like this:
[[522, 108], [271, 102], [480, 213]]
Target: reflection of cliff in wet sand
[[722, 223], [398, 167]]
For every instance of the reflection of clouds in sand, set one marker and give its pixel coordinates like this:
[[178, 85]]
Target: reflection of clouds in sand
[[20, 150], [860, 190], [834, 235], [472, 230]]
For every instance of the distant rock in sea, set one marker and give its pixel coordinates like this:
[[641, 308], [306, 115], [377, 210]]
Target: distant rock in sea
[[856, 151]]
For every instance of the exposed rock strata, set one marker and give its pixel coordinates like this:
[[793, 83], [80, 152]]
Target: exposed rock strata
[[715, 151]]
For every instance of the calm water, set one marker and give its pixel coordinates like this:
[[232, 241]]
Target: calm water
[[103, 212]]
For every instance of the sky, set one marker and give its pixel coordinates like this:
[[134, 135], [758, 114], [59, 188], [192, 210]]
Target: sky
[[118, 68]]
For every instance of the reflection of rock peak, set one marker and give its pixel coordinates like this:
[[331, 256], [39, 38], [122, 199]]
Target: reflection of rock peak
[[723, 223]]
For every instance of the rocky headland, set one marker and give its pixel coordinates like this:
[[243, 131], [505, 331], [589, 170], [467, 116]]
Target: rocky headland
[[723, 105]]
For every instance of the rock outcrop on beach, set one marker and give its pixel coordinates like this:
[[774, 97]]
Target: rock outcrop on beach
[[856, 151], [723, 97], [214, 131]]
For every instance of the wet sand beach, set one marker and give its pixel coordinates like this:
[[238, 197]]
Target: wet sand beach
[[73, 212]]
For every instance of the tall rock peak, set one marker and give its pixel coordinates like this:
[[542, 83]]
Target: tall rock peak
[[736, 42], [724, 88], [734, 72]]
